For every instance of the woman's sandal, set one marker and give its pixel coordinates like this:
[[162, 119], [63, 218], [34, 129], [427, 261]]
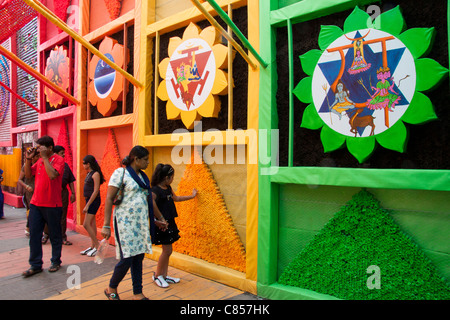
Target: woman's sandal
[[112, 295], [54, 267], [67, 243], [30, 272]]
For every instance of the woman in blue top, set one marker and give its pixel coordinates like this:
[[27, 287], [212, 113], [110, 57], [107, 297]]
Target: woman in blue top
[[131, 221]]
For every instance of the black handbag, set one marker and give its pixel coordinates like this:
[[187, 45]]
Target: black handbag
[[119, 195]]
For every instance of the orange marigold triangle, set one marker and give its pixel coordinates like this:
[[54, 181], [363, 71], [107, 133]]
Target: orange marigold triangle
[[206, 228], [110, 162]]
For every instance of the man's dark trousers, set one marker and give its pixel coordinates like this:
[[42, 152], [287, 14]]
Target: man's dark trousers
[[38, 217]]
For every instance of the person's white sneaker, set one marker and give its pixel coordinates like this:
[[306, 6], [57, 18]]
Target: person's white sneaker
[[172, 279], [84, 252], [160, 282], [92, 253]]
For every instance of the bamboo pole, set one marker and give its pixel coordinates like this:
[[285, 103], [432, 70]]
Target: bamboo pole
[[61, 24], [230, 74], [237, 32], [19, 97], [16, 60], [224, 33]]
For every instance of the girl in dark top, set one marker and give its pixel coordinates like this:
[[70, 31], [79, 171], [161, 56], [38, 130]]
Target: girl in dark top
[[163, 203], [91, 193]]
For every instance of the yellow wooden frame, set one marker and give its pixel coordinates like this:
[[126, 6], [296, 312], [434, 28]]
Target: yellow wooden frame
[[151, 31]]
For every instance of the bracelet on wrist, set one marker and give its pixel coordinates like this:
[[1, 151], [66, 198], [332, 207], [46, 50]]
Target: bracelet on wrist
[[108, 227]]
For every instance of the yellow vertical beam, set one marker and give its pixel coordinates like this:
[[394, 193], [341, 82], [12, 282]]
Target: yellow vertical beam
[[252, 146], [146, 16], [156, 81]]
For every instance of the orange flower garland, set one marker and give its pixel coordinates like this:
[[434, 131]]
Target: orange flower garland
[[57, 71], [110, 162], [206, 228]]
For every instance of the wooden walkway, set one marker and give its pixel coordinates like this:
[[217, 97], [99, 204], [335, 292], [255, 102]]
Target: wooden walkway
[[14, 253]]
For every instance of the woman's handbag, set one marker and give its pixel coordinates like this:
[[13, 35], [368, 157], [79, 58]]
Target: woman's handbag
[[119, 195]]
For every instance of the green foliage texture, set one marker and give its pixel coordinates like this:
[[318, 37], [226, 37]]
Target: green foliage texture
[[360, 235]]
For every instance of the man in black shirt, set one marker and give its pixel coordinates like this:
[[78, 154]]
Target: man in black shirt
[[68, 179]]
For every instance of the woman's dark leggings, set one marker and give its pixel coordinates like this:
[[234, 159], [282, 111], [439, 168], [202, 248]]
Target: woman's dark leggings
[[122, 268]]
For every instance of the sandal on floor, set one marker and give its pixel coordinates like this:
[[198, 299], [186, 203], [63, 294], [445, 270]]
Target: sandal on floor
[[112, 295], [67, 243], [30, 272], [54, 267]]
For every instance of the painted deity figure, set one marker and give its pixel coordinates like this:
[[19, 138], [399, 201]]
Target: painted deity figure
[[359, 63], [385, 95], [342, 101]]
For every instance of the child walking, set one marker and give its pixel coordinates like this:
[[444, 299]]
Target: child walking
[[163, 203], [91, 193]]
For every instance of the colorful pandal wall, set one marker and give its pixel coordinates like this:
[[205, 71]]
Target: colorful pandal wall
[[195, 83]]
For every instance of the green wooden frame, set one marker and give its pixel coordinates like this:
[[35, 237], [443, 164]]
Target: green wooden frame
[[271, 17]]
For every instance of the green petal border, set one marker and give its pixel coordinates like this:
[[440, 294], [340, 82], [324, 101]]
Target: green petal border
[[358, 19], [429, 74], [327, 35], [391, 21], [420, 110], [311, 119], [309, 61], [361, 148], [395, 138], [331, 140], [418, 40], [303, 90]]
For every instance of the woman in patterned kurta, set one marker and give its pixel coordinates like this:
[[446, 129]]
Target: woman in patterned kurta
[[131, 222]]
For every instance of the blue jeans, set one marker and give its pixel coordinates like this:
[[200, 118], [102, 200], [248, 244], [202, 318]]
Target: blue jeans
[[38, 217], [122, 268]]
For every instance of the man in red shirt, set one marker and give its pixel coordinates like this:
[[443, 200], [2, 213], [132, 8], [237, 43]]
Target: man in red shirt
[[46, 203]]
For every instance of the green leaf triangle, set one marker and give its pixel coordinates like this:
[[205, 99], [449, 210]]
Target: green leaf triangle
[[328, 34], [303, 90], [418, 40], [420, 110], [358, 19], [363, 234], [311, 119], [391, 21], [309, 61], [429, 74], [394, 138], [331, 140], [361, 148]]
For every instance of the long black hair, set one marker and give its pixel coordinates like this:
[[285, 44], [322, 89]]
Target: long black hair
[[138, 152], [94, 166], [161, 172]]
